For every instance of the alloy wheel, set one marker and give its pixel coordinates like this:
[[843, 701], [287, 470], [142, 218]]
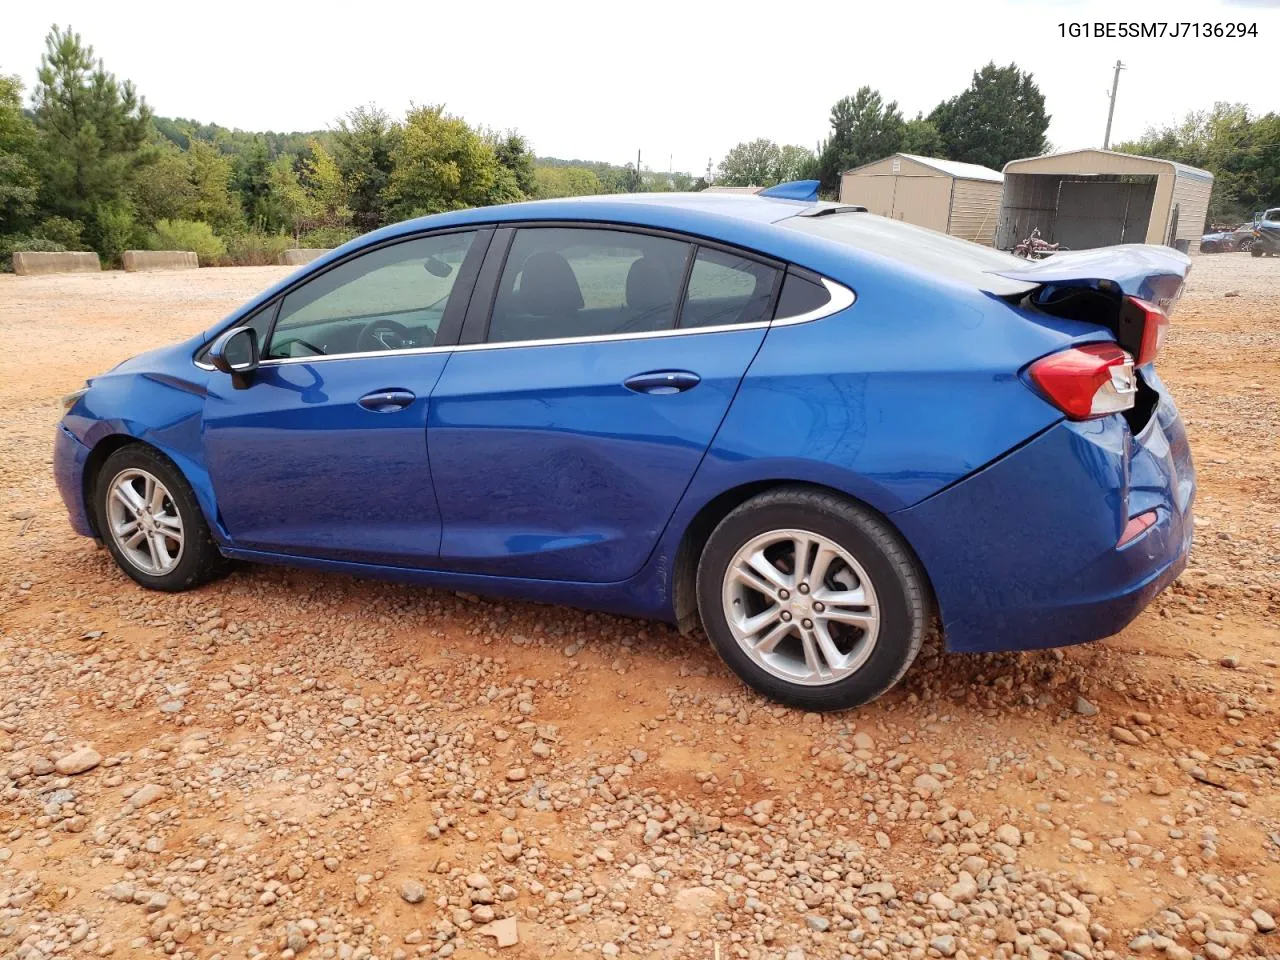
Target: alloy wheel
[[144, 521], [801, 607]]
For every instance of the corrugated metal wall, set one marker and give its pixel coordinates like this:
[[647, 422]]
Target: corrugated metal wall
[[874, 193], [975, 209], [924, 201], [1191, 196]]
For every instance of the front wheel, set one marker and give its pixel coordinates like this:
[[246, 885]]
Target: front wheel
[[150, 522], [1255, 251], [812, 600]]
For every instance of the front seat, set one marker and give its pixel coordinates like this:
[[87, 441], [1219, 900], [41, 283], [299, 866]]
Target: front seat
[[546, 304]]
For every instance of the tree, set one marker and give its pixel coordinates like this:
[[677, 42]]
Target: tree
[[512, 150], [1241, 150], [442, 164], [289, 202], [751, 164], [93, 130], [251, 177], [863, 128], [565, 182], [19, 182], [214, 202], [921, 137], [795, 163], [363, 148], [1000, 117], [167, 191], [326, 188]]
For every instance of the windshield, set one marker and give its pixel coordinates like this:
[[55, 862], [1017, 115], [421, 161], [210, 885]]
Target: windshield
[[948, 257]]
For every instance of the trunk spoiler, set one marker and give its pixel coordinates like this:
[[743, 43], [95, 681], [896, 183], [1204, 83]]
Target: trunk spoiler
[[1151, 273]]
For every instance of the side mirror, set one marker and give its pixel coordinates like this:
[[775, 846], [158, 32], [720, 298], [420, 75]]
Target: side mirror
[[236, 353]]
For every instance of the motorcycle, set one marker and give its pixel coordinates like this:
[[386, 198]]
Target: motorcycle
[[1033, 248]]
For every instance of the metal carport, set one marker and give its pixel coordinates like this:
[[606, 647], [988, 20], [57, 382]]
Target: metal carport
[[1095, 198]]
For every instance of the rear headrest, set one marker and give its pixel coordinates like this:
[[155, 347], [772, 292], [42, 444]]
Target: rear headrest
[[548, 286], [648, 285]]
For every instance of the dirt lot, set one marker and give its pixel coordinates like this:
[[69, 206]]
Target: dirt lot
[[303, 765]]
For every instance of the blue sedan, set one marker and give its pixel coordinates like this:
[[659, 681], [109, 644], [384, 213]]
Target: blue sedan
[[809, 429]]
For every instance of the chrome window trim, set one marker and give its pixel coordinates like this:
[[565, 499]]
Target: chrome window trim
[[841, 299]]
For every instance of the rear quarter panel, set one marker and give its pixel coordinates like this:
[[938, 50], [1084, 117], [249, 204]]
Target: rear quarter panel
[[909, 390]]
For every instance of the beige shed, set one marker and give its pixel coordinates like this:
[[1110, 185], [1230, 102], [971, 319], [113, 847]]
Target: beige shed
[[962, 199], [1096, 198]]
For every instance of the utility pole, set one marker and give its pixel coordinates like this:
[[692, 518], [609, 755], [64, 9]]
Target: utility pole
[[1111, 110]]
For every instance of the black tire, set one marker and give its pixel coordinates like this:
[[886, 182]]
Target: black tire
[[199, 559], [895, 575], [1255, 251]]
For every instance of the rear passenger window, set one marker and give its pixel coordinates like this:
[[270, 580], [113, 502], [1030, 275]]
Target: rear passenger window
[[800, 295], [560, 283], [726, 289]]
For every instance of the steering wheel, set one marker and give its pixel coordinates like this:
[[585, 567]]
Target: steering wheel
[[383, 334]]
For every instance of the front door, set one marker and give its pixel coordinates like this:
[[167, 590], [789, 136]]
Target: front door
[[562, 443], [324, 454]]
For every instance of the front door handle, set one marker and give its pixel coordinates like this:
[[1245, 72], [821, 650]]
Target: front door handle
[[662, 382], [387, 401]]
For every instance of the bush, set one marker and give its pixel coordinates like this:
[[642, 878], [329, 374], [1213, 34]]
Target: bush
[[254, 249], [326, 238], [189, 235], [59, 230], [11, 245]]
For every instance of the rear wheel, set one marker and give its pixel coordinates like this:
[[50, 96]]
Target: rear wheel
[[151, 524], [1255, 251], [812, 600]]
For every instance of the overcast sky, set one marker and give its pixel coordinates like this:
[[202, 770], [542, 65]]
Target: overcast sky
[[682, 81]]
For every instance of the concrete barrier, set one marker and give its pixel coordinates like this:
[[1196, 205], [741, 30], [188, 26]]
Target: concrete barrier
[[133, 260], [300, 255], [29, 263]]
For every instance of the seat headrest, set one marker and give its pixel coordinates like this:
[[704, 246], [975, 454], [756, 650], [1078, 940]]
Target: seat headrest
[[548, 286], [648, 285]]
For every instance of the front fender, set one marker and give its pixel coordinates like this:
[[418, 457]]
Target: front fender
[[161, 410]]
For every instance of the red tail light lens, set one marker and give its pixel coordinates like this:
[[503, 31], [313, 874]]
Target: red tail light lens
[[1151, 322], [1090, 381]]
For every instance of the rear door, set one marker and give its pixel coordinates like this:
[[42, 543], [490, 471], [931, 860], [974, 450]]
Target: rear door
[[564, 433]]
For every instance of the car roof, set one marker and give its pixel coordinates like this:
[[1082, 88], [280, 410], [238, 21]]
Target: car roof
[[676, 210]]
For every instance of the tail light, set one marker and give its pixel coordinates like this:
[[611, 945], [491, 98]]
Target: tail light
[[1089, 381], [1142, 327]]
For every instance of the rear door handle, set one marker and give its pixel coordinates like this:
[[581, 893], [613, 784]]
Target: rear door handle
[[662, 382], [387, 401]]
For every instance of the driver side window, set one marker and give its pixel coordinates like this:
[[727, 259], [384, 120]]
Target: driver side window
[[392, 298]]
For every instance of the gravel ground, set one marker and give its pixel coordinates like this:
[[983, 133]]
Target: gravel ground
[[290, 764]]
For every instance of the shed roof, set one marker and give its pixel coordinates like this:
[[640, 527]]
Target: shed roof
[[952, 168], [1062, 163]]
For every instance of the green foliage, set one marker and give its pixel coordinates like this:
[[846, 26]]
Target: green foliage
[[512, 150], [325, 188], [863, 128], [327, 238], [255, 248], [921, 137], [753, 164], [363, 147], [1000, 117], [443, 164], [1241, 150], [188, 235], [9, 245], [214, 200], [61, 231], [565, 182], [93, 128], [288, 201], [19, 181], [762, 163]]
